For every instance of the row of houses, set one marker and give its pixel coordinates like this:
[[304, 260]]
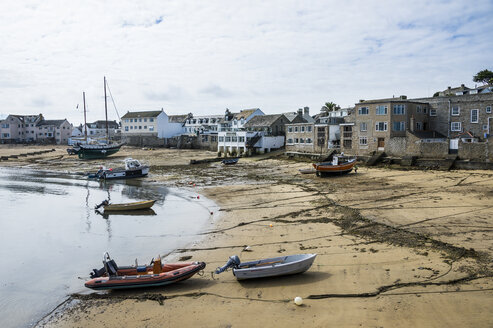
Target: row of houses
[[34, 128], [454, 121]]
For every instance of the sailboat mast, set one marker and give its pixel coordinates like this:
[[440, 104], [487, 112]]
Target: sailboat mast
[[106, 113], [85, 122]]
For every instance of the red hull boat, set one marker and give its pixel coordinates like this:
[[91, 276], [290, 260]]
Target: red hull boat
[[113, 277], [337, 166]]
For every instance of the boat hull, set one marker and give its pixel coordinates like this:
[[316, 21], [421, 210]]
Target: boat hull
[[129, 277], [124, 174], [329, 168], [274, 267], [144, 205], [97, 151]]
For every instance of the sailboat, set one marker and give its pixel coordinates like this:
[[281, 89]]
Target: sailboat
[[87, 151]]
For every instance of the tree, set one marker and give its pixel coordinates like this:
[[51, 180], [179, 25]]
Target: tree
[[485, 76], [329, 107]]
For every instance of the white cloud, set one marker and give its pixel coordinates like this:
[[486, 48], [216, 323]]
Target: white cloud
[[202, 57]]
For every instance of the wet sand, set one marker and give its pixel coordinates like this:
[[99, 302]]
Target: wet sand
[[396, 248]]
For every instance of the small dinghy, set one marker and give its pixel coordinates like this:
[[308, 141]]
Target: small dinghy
[[230, 161], [339, 165], [111, 276], [134, 206], [272, 267]]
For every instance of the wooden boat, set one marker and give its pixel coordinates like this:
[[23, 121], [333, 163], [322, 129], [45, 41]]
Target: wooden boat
[[271, 267], [339, 165], [143, 205], [230, 161], [155, 274], [132, 169]]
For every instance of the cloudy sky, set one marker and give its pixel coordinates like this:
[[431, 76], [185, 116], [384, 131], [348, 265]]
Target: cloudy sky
[[205, 56]]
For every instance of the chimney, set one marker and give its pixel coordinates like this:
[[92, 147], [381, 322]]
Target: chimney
[[306, 110], [448, 88], [462, 85], [300, 111]]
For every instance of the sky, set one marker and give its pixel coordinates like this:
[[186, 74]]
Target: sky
[[205, 56]]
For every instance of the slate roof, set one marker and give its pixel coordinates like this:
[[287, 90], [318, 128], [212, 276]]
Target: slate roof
[[50, 122], [102, 124], [152, 113], [177, 118], [244, 113], [262, 120]]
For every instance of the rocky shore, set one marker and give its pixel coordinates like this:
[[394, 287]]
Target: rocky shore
[[396, 248]]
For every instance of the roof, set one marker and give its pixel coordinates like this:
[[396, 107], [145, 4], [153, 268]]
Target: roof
[[102, 124], [177, 118], [464, 134], [244, 113], [50, 122], [263, 120], [152, 113], [291, 116], [385, 100], [428, 134]]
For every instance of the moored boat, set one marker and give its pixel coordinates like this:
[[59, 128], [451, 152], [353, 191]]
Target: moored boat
[[271, 267], [98, 151], [155, 274], [339, 165], [134, 206], [132, 169]]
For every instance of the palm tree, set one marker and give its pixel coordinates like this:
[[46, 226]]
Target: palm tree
[[329, 107]]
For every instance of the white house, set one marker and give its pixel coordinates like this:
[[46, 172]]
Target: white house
[[151, 123]]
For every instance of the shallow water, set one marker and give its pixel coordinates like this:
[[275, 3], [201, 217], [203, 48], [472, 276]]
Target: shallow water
[[50, 234]]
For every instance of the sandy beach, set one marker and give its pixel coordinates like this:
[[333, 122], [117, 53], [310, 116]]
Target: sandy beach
[[396, 248]]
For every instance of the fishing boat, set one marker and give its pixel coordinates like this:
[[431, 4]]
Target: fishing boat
[[134, 206], [132, 169], [271, 267], [230, 161], [111, 276], [92, 151], [339, 165]]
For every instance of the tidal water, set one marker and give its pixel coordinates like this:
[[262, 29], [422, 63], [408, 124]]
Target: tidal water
[[51, 237]]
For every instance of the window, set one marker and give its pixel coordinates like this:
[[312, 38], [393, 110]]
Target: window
[[381, 126], [126, 121], [290, 141], [221, 139], [309, 128], [419, 126], [145, 127], [488, 110], [151, 128], [309, 140], [399, 109], [151, 120], [131, 120], [399, 126], [290, 129], [145, 119], [5, 126], [241, 139], [126, 128], [363, 111], [363, 141], [363, 126], [474, 115], [140, 120], [455, 111], [228, 139], [381, 110], [296, 140], [485, 127], [302, 129], [418, 109], [433, 112], [140, 127], [5, 135], [302, 140], [455, 126], [295, 129]]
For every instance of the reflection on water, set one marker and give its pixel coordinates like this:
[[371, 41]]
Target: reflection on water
[[50, 234]]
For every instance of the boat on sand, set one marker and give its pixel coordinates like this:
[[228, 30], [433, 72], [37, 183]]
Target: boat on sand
[[112, 276], [271, 267], [339, 165]]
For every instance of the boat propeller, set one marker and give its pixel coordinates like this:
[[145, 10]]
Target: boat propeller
[[234, 261]]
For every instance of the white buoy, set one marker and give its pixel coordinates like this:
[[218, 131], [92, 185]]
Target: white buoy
[[298, 300]]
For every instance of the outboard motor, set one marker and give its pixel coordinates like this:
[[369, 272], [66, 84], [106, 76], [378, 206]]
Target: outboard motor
[[103, 203], [233, 262]]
